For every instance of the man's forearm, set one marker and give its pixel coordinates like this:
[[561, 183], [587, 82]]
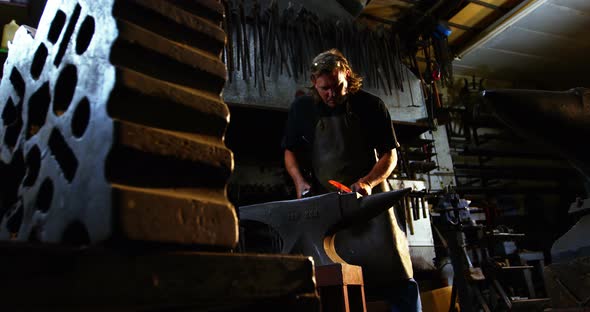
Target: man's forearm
[[382, 169], [301, 186], [293, 167]]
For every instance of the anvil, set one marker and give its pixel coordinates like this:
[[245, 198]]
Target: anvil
[[343, 228]]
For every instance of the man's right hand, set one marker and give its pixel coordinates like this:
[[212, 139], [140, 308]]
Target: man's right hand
[[302, 187], [293, 168]]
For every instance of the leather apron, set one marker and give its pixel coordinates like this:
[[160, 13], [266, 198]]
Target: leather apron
[[379, 246], [339, 150]]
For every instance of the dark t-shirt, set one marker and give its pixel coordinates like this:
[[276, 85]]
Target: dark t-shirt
[[305, 112]]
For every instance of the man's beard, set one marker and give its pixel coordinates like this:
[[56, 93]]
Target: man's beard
[[318, 99]]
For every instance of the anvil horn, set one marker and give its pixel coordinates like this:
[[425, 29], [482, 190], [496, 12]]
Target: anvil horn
[[370, 206], [555, 119], [373, 205]]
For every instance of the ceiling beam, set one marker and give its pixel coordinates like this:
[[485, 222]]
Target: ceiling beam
[[507, 20], [488, 5], [462, 27], [378, 19]]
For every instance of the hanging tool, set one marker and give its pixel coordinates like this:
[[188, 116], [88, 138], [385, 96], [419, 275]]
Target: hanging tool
[[238, 27], [409, 217], [415, 207], [279, 40], [229, 48], [270, 29], [384, 57], [255, 41], [424, 206], [246, 53], [259, 44]]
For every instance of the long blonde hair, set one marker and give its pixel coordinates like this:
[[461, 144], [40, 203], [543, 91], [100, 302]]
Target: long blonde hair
[[327, 61]]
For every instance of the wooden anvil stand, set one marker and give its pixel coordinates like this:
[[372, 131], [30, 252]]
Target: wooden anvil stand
[[341, 287]]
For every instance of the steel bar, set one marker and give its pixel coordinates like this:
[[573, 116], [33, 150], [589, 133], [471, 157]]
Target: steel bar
[[101, 279]]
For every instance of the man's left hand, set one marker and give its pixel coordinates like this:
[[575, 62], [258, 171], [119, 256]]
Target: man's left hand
[[361, 187]]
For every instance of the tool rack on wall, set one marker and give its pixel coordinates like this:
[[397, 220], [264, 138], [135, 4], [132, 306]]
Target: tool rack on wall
[[490, 158], [415, 154], [516, 185]]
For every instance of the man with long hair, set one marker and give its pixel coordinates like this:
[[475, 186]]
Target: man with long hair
[[333, 133], [341, 132]]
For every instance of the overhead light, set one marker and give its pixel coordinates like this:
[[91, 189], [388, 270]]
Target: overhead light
[[509, 19]]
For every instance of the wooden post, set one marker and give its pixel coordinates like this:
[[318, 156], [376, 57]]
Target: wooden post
[[341, 287]]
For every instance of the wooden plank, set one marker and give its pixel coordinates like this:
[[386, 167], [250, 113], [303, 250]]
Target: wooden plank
[[37, 276]]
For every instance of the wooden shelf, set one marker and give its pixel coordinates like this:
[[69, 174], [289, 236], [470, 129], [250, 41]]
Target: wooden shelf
[[418, 142], [514, 172], [96, 278], [418, 155], [408, 131], [422, 166], [488, 152]]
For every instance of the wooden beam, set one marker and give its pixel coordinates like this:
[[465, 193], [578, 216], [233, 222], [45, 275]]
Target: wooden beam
[[488, 5]]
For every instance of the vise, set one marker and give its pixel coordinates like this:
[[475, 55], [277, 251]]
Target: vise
[[341, 228]]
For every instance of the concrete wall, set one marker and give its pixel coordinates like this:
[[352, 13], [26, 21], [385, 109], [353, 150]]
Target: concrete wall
[[280, 89], [407, 105]]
